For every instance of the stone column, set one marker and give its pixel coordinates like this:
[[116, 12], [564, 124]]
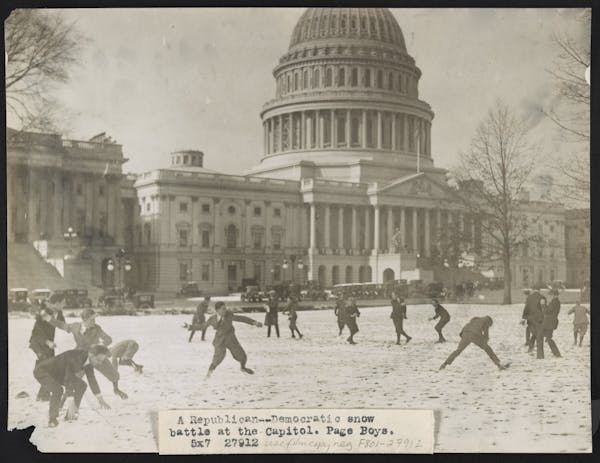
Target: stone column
[[367, 228], [403, 228], [268, 240], [348, 127], [247, 221], [379, 130], [354, 238], [313, 227], [333, 129], [302, 130], [321, 123], [438, 225], [280, 142], [394, 131], [327, 231], [363, 142], [376, 231], [265, 144], [407, 133], [308, 129], [390, 227], [341, 228], [291, 132], [427, 233], [57, 228], [415, 239]]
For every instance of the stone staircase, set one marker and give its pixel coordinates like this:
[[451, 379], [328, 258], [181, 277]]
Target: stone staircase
[[27, 269]]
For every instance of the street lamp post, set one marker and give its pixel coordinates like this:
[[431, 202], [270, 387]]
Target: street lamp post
[[120, 265], [69, 236]]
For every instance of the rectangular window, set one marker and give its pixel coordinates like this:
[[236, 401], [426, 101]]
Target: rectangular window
[[183, 207], [183, 271], [183, 238], [205, 208], [79, 189], [205, 238], [148, 207], [101, 190], [257, 212], [205, 272], [257, 239], [277, 241], [257, 272], [277, 212], [276, 273], [232, 273]]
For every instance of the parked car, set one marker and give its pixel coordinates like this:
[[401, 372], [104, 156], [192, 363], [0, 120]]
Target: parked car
[[18, 300], [77, 298], [57, 296], [143, 301], [435, 290], [40, 295], [189, 289], [252, 294]]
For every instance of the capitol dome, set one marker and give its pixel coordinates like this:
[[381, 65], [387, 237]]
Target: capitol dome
[[344, 24], [346, 92]]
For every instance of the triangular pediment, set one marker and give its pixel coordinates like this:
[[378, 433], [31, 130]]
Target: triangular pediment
[[418, 185]]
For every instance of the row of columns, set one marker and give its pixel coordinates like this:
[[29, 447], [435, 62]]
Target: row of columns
[[382, 220], [318, 129]]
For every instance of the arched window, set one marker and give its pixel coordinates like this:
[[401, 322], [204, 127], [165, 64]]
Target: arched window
[[367, 78], [349, 273], [305, 79], [380, 79], [390, 81], [335, 275], [295, 81], [328, 77], [288, 86], [354, 77], [341, 80], [231, 235], [316, 79], [148, 233]]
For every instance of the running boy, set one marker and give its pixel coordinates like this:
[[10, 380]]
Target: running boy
[[225, 339], [580, 321], [293, 316], [443, 315], [398, 316]]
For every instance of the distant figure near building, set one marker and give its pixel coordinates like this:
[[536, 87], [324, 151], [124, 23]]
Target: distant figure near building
[[398, 316], [225, 338], [352, 314], [443, 315], [550, 322], [199, 319], [293, 316], [580, 321], [272, 316], [476, 332]]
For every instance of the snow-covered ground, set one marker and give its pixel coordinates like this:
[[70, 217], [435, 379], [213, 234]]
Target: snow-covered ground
[[534, 406]]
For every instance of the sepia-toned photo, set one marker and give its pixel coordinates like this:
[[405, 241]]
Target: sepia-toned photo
[[237, 212]]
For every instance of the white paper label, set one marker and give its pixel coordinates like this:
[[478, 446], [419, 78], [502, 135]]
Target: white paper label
[[295, 431]]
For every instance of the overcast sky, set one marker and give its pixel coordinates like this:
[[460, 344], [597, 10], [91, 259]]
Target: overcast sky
[[160, 80]]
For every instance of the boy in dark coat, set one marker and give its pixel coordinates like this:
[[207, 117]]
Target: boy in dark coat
[[272, 316], [476, 332], [340, 312], [529, 327], [65, 370], [293, 316], [533, 315], [550, 322], [443, 315], [198, 319], [352, 314], [41, 341], [398, 316], [225, 339]]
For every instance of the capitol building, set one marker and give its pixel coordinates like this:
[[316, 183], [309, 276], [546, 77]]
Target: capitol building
[[346, 189]]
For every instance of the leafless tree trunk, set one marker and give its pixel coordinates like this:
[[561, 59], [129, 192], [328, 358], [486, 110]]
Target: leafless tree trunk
[[41, 47], [492, 177]]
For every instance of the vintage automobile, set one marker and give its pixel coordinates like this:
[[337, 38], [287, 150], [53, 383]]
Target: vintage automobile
[[18, 300], [435, 290], [189, 289], [77, 298], [143, 301], [253, 294], [57, 296], [40, 295]]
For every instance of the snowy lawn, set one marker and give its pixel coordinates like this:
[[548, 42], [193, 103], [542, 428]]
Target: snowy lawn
[[534, 406]]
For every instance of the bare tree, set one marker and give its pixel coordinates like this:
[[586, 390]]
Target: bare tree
[[41, 48], [571, 113], [492, 177]]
